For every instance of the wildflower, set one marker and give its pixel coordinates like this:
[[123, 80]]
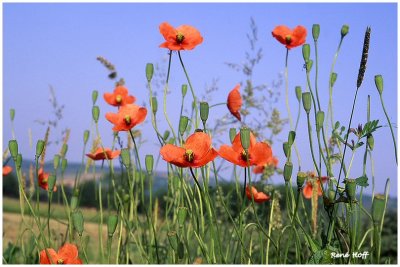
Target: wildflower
[[101, 154], [272, 162], [290, 38], [182, 38], [235, 102], [127, 117], [7, 170], [67, 254], [312, 182], [259, 197], [43, 180], [119, 97], [197, 151], [258, 153]]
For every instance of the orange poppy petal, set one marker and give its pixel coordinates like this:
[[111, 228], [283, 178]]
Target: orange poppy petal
[[168, 31], [307, 190], [68, 252], [199, 143], [43, 259], [280, 32], [260, 153], [298, 36], [192, 37], [174, 155], [140, 115], [112, 117], [235, 102], [209, 156], [261, 197], [7, 170], [258, 169], [229, 154]]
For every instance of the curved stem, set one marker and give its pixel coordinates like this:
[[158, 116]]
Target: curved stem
[[165, 97], [391, 129]]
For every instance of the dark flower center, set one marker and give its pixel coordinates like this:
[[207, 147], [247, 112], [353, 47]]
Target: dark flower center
[[179, 38], [288, 39], [118, 99], [189, 155], [60, 261], [127, 119], [245, 155]]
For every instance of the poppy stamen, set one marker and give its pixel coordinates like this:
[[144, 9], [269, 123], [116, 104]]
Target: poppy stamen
[[189, 155], [127, 119], [118, 99], [245, 155], [288, 39], [60, 261], [179, 38]]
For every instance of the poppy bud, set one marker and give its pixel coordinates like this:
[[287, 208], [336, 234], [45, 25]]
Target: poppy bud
[[291, 137], [307, 102], [232, 134], [51, 182], [315, 31], [95, 113], [184, 90], [345, 30], [204, 110], [39, 148], [378, 208], [301, 177], [95, 94], [74, 202], [379, 83], [166, 135], [320, 120], [333, 78], [370, 141], [13, 147], [331, 195], [286, 148], [18, 161], [126, 157], [298, 93], [64, 150], [173, 239], [149, 160], [112, 224], [245, 137], [149, 71], [154, 105], [350, 188], [183, 123], [309, 65], [77, 219], [287, 171], [182, 212], [56, 161], [86, 136], [64, 164], [306, 52], [12, 114]]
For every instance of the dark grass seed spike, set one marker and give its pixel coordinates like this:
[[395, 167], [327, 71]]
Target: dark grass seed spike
[[364, 57]]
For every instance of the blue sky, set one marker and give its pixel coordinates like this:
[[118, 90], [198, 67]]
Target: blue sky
[[57, 45]]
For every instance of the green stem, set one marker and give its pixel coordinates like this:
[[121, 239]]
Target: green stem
[[165, 97], [391, 128]]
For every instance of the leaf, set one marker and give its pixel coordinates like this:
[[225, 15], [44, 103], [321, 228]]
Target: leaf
[[370, 127], [359, 144], [362, 181], [322, 256]]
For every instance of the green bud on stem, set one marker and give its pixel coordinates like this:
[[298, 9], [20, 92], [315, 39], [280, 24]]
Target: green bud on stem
[[149, 160], [287, 171], [307, 101], [149, 72]]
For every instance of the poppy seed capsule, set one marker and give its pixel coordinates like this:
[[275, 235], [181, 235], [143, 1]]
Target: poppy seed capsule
[[149, 160], [95, 113], [39, 148], [13, 147], [379, 83], [183, 123], [12, 114], [301, 177], [245, 137], [306, 52], [232, 134], [307, 101], [184, 90], [350, 188], [154, 105], [149, 72], [287, 171], [77, 220], [315, 31], [95, 94], [126, 157], [112, 224], [51, 182], [378, 208], [298, 93], [204, 110], [86, 136], [333, 79], [345, 30]]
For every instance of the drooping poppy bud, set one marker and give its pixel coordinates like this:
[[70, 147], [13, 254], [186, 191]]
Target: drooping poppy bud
[[345, 30], [204, 110], [307, 101], [86, 134], [298, 93], [291, 138], [95, 94], [51, 183], [112, 225], [149, 160], [378, 208], [56, 161], [370, 141], [232, 134], [184, 89], [154, 105], [315, 31], [306, 52], [183, 123], [379, 83], [287, 171], [333, 78], [95, 113], [39, 148], [320, 120], [13, 147], [149, 71], [77, 219], [286, 148], [245, 137], [64, 150]]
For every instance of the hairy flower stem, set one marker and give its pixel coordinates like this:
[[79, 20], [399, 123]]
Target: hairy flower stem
[[192, 91], [165, 97], [391, 128]]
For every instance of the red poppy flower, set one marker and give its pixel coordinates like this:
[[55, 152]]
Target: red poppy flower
[[119, 97], [259, 153], [101, 154], [67, 254], [290, 38], [127, 117], [196, 152], [43, 180], [259, 197], [235, 102], [313, 181], [7, 170], [182, 38], [273, 161]]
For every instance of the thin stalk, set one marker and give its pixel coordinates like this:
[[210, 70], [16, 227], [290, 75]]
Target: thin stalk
[[165, 97], [391, 128]]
